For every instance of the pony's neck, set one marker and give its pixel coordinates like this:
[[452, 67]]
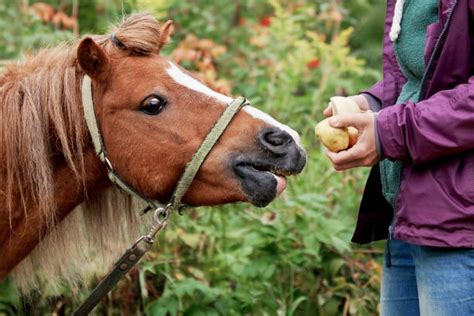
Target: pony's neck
[[26, 231], [22, 228]]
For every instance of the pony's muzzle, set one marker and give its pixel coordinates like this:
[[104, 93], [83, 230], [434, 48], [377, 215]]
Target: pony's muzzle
[[262, 175], [282, 149]]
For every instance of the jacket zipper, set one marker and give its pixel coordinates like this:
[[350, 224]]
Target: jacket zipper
[[424, 80]]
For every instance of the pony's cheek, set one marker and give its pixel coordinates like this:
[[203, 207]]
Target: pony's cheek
[[213, 191]]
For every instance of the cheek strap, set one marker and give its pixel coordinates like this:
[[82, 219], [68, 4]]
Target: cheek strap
[[99, 147], [205, 148]]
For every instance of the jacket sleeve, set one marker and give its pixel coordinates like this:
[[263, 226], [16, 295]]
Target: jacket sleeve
[[439, 126], [376, 91]]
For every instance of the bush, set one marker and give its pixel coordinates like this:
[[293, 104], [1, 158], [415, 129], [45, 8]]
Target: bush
[[293, 257], [23, 32]]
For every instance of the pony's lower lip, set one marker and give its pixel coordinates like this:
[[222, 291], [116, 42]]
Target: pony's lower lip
[[259, 186], [260, 183]]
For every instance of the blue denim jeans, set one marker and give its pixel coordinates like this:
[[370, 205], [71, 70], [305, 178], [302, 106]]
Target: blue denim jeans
[[427, 281]]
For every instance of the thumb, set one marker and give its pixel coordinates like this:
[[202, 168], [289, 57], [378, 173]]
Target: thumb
[[345, 120]]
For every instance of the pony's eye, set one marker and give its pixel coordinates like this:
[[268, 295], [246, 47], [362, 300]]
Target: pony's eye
[[153, 105]]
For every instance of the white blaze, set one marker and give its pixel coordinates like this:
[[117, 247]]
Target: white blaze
[[256, 113], [189, 82]]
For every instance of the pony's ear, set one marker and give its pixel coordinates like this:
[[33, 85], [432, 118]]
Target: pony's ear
[[92, 58], [166, 31]]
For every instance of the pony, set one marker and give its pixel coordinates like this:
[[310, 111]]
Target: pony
[[58, 208]]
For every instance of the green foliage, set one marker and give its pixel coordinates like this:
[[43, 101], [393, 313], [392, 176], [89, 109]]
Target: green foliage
[[285, 259], [9, 301], [293, 257], [368, 17], [96, 16], [25, 32]]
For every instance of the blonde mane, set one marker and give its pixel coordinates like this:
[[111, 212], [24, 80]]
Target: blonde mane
[[42, 116]]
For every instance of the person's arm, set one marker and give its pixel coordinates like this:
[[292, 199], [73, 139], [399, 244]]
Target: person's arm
[[374, 96], [373, 103], [439, 126], [436, 127]]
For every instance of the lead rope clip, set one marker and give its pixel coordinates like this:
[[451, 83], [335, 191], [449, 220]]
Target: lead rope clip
[[160, 216]]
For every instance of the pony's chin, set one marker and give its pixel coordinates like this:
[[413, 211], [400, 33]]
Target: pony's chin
[[260, 186]]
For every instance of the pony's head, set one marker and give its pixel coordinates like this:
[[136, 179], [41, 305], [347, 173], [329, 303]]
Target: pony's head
[[153, 115]]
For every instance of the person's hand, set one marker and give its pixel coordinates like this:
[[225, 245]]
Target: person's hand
[[359, 99], [364, 152]]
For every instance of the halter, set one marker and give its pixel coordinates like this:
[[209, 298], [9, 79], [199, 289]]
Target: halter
[[162, 211]]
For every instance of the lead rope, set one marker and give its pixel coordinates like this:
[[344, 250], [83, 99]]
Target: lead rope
[[162, 213], [397, 21], [126, 262]]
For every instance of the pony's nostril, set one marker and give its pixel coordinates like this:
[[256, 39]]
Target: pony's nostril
[[278, 138], [275, 140]]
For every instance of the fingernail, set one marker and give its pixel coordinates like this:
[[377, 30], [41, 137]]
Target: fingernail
[[333, 121]]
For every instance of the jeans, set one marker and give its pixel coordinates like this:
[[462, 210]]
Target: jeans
[[427, 281]]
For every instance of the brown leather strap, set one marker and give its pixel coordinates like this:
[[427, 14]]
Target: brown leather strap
[[123, 265]]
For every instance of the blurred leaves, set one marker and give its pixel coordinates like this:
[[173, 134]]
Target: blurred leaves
[[23, 32]]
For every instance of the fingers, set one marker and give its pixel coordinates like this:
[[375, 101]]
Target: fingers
[[364, 152], [328, 111], [346, 156], [334, 159], [358, 121], [361, 102], [351, 158]]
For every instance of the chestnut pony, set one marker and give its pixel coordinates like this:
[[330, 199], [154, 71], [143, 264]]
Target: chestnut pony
[[58, 210]]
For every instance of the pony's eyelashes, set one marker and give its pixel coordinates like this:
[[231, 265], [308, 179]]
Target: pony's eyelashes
[[153, 105]]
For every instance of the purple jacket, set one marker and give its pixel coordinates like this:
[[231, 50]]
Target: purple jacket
[[434, 138]]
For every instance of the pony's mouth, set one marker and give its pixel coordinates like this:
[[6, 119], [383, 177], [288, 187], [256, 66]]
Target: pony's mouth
[[262, 182]]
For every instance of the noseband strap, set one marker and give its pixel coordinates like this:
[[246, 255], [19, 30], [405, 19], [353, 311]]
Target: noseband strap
[[205, 148], [99, 147], [142, 245]]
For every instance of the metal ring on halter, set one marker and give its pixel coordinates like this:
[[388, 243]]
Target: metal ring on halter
[[108, 164], [162, 214]]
